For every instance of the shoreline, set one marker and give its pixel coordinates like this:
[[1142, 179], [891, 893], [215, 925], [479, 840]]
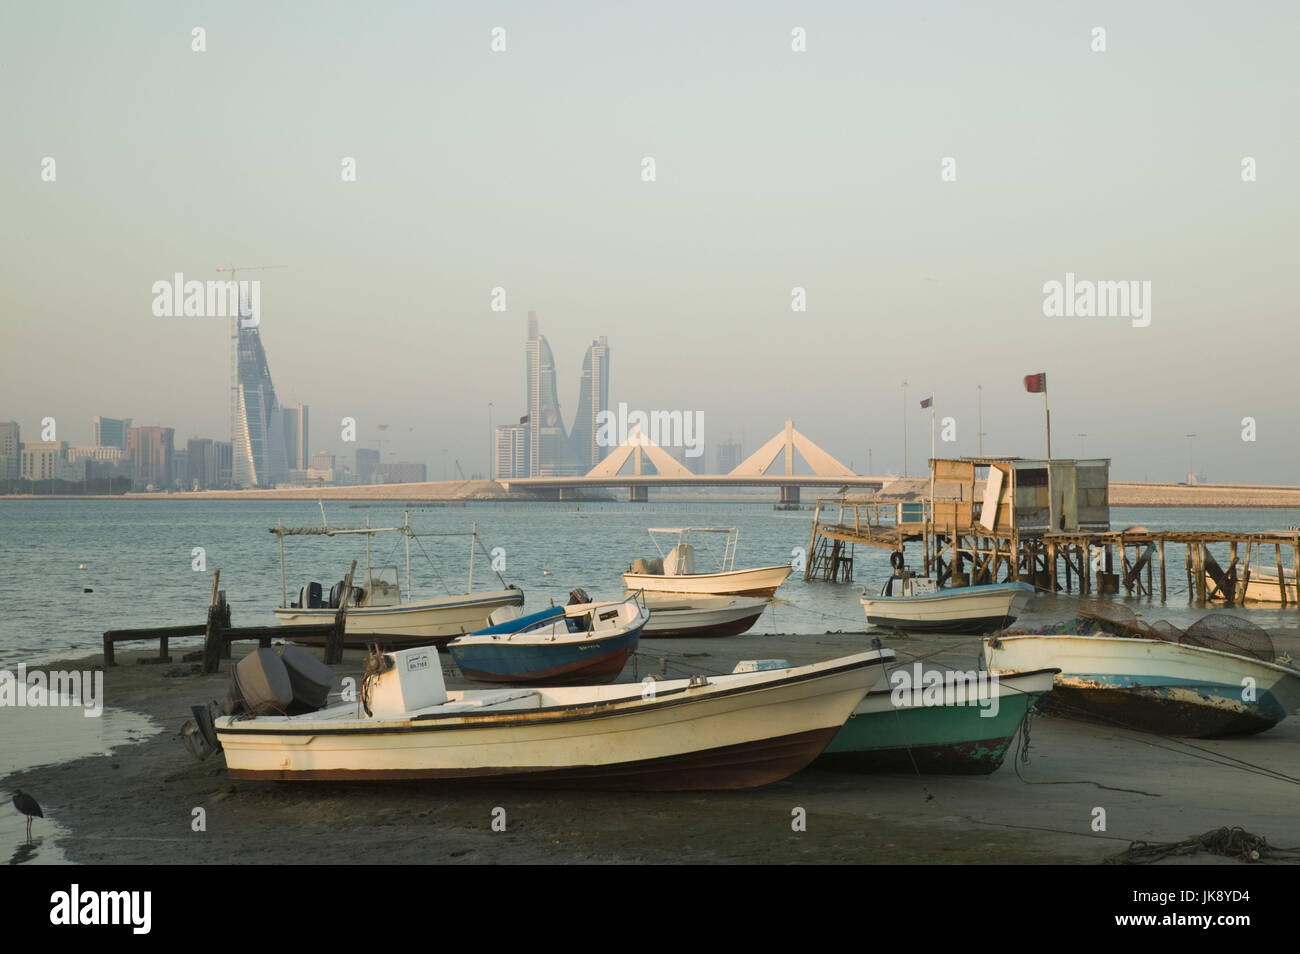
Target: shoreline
[[137, 807], [1137, 494]]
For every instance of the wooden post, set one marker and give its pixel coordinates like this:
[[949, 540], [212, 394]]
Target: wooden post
[[1051, 572], [334, 642], [108, 651], [1199, 570], [214, 638], [1163, 587], [1190, 589], [1245, 576], [1281, 578], [1085, 585], [1234, 597]]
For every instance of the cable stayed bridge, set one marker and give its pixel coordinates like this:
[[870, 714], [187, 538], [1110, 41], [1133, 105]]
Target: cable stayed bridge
[[630, 464]]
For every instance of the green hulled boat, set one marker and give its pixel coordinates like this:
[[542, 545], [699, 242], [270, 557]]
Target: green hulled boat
[[936, 721]]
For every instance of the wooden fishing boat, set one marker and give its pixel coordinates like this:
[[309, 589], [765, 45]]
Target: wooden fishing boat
[[674, 572], [673, 615], [717, 732], [377, 605], [581, 644], [1154, 684], [915, 603], [958, 724]]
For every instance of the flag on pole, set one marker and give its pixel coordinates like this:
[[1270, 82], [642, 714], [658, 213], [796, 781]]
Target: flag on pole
[[1036, 383], [928, 401], [524, 419]]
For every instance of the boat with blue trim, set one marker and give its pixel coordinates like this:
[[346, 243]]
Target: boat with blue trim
[[581, 644], [1153, 684]]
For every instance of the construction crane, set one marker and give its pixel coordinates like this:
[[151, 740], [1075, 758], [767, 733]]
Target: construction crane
[[459, 471]]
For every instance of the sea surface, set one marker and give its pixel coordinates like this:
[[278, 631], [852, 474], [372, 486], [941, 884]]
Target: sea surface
[[70, 569]]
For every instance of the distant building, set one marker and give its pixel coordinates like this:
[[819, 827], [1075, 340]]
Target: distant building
[[223, 453], [297, 455], [322, 460], [202, 471], [367, 463], [101, 462], [729, 456], [43, 460], [511, 451], [150, 450], [403, 472], [10, 450], [593, 399], [109, 431], [257, 421]]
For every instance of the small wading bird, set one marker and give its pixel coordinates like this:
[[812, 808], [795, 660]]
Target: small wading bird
[[27, 805]]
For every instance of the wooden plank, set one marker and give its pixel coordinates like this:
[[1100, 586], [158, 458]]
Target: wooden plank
[[1164, 590], [1281, 579]]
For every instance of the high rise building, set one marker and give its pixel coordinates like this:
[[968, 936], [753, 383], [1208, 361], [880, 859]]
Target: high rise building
[[201, 464], [109, 431], [41, 460], [150, 450], [593, 398], [728, 456], [10, 450], [511, 451], [367, 464], [223, 453], [549, 451], [297, 454], [257, 425]]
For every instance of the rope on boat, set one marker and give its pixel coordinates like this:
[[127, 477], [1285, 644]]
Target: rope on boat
[[1228, 842]]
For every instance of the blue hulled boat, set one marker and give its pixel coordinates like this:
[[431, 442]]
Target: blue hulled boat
[[581, 644]]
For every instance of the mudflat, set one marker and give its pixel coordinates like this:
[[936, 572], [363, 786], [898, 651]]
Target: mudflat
[[137, 806]]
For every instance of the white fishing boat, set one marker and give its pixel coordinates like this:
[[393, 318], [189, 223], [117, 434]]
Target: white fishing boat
[[715, 732], [1262, 587], [377, 606], [677, 615], [907, 601], [1154, 684], [674, 571]]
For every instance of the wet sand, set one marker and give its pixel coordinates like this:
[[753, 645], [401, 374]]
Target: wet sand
[[136, 807]]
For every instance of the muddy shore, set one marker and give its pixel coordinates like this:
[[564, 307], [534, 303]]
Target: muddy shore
[[137, 806]]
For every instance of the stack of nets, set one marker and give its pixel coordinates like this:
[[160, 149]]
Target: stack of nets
[[1230, 634], [1116, 619]]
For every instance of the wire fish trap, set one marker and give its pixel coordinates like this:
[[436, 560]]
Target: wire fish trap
[[1116, 619], [1230, 634]]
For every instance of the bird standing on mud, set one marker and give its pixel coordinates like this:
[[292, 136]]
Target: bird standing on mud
[[28, 806]]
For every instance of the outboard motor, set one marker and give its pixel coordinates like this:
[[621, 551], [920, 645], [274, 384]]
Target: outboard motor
[[578, 595]]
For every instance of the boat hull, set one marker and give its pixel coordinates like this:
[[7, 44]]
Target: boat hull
[[1264, 588], [1153, 685], [423, 623], [676, 619], [759, 581], [738, 731], [950, 739], [969, 609], [588, 662]]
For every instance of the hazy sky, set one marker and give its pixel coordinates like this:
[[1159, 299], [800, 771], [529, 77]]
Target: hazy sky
[[775, 169]]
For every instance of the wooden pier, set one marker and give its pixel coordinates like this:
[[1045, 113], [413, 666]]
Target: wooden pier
[[1045, 523]]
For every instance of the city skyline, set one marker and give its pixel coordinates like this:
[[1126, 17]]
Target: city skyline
[[1127, 164]]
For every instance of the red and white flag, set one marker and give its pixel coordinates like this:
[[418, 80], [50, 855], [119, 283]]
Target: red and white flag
[[1036, 383]]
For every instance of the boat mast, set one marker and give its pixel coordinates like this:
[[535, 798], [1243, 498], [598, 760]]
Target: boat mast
[[473, 542], [406, 532], [284, 591]]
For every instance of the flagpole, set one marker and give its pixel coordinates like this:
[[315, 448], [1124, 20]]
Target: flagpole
[[1048, 412]]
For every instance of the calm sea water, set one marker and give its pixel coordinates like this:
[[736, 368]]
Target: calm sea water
[[137, 560], [138, 557]]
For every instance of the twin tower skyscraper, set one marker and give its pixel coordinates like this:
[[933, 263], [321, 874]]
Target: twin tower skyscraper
[[539, 445]]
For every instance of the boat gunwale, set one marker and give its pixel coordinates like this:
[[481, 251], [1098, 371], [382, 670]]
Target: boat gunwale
[[1280, 667], [549, 715]]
